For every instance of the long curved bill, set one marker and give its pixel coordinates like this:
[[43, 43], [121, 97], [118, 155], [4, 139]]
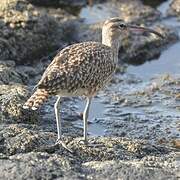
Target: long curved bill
[[143, 29]]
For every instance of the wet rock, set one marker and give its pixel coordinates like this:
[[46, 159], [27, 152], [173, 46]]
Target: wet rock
[[135, 49], [144, 110], [28, 33], [9, 74], [174, 9], [12, 98]]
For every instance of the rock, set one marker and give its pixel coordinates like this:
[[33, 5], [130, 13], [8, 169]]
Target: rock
[[21, 138], [28, 33], [114, 148], [38, 165], [12, 98], [135, 49], [129, 10], [9, 74], [112, 158], [128, 170], [174, 9], [154, 4], [28, 70], [59, 3]]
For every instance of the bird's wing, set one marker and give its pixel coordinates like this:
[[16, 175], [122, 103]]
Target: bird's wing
[[55, 69], [72, 67]]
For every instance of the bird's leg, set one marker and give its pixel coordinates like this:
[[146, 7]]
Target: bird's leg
[[58, 118], [85, 117], [59, 125]]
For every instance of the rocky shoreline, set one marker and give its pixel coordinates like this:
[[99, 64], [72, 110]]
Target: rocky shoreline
[[141, 119]]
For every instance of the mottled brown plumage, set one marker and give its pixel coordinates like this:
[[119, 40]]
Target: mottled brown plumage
[[74, 70], [82, 69]]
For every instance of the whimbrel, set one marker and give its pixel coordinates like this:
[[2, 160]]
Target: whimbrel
[[82, 69]]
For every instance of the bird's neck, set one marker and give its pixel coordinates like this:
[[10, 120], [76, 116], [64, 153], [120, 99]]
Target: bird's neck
[[113, 44]]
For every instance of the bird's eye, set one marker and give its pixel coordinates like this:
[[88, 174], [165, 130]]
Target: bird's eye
[[122, 26]]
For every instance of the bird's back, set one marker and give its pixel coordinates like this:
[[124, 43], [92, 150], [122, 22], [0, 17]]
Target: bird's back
[[79, 69]]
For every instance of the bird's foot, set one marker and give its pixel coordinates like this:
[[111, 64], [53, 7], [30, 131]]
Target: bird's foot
[[63, 144]]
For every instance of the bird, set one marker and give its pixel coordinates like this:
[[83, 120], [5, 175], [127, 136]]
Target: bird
[[83, 69]]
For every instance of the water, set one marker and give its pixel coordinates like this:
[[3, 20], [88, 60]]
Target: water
[[164, 7], [96, 111], [168, 63]]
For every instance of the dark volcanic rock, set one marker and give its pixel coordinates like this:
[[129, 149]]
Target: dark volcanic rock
[[23, 138], [12, 98], [108, 160], [9, 74], [174, 9], [38, 165], [154, 3], [59, 3], [28, 33]]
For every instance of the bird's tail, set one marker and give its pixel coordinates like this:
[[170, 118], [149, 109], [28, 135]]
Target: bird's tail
[[36, 100]]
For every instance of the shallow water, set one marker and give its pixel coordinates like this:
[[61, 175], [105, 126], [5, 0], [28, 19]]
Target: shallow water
[[96, 111], [168, 63]]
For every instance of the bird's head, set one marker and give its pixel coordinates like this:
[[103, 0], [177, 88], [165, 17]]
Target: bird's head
[[114, 27]]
